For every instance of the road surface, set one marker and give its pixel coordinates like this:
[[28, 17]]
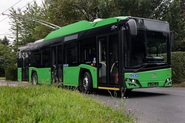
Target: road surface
[[14, 83], [153, 105]]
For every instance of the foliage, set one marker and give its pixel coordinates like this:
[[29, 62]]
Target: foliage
[[63, 12], [175, 18], [4, 41], [11, 73], [23, 24], [33, 104], [178, 67], [2, 72], [8, 61]]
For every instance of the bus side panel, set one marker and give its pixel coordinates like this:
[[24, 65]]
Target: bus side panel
[[44, 75], [71, 75], [19, 72], [93, 72], [147, 79]]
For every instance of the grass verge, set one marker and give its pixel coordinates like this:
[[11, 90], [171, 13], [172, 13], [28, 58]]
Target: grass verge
[[46, 104]]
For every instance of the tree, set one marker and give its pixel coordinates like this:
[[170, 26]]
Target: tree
[[7, 59], [174, 16], [63, 12], [27, 29]]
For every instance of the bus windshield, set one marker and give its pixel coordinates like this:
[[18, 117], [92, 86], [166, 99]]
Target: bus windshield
[[147, 48]]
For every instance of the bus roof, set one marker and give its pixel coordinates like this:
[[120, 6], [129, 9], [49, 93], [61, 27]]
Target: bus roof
[[69, 30], [31, 46], [82, 26]]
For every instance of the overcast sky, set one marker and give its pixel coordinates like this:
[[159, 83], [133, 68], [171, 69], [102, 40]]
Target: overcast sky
[[5, 5]]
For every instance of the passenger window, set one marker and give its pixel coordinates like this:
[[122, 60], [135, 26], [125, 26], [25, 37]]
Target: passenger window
[[88, 51]]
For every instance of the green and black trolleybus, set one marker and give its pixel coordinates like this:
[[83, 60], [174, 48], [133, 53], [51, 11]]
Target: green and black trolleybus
[[114, 54]]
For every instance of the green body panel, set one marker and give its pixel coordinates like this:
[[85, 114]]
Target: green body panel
[[19, 74], [82, 26], [162, 77], [44, 75], [71, 75]]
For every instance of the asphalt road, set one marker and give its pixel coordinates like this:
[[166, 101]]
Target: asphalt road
[[153, 105]]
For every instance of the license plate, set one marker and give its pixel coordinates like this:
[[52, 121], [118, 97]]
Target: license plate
[[153, 84]]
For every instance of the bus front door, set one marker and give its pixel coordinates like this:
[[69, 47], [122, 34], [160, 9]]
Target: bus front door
[[108, 60]]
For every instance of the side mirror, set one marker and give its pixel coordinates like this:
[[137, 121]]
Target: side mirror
[[132, 27]]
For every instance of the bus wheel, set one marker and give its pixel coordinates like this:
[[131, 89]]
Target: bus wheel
[[34, 78], [86, 83], [128, 90]]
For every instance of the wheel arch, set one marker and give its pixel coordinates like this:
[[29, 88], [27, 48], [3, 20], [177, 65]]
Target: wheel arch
[[93, 72], [33, 72], [81, 73]]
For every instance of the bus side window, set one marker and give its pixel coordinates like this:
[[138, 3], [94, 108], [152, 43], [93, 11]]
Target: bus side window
[[36, 61], [71, 55], [45, 58], [87, 50]]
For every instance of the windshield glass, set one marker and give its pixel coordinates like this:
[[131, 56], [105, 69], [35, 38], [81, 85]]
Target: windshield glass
[[148, 47]]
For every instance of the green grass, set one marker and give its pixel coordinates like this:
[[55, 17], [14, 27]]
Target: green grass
[[48, 104]]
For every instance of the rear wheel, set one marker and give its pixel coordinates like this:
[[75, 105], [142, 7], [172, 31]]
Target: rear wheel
[[34, 78], [86, 83]]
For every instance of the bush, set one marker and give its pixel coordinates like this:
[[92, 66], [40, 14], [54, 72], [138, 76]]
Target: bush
[[178, 67], [2, 72], [11, 73]]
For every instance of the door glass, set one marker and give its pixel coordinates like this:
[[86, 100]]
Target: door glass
[[54, 66], [60, 66], [113, 59], [102, 59]]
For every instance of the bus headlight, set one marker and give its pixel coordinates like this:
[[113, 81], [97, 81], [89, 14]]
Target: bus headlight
[[132, 82]]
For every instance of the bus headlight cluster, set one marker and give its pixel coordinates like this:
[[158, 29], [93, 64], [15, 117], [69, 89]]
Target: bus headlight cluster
[[132, 82], [168, 80]]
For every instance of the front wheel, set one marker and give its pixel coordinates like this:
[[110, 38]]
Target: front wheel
[[86, 83], [34, 78]]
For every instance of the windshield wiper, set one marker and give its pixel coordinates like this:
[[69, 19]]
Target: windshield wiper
[[144, 65], [140, 65]]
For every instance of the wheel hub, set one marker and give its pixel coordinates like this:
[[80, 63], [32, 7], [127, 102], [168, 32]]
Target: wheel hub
[[85, 82]]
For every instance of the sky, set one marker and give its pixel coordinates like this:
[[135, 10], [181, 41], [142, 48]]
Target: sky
[[5, 6]]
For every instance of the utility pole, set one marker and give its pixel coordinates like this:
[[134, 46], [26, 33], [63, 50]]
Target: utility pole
[[17, 36]]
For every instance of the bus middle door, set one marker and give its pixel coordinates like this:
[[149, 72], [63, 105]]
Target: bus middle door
[[108, 60]]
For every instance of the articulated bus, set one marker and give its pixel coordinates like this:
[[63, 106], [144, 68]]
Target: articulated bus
[[116, 53]]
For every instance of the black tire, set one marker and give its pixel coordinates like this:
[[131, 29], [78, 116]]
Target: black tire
[[34, 78], [128, 90], [86, 83]]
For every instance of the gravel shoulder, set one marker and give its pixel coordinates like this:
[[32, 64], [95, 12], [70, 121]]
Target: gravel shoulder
[[12, 83]]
